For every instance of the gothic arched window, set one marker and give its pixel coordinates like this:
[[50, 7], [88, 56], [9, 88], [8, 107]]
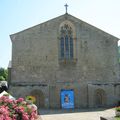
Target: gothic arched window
[[66, 42]]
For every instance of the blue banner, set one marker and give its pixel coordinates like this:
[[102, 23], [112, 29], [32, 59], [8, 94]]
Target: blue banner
[[67, 98]]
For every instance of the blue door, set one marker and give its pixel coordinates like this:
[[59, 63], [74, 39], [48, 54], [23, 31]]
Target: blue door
[[67, 98]]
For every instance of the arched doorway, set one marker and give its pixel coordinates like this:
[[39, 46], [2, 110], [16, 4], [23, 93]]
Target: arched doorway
[[39, 98], [100, 98]]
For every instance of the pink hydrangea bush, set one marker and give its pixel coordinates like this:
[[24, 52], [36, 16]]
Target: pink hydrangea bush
[[16, 109]]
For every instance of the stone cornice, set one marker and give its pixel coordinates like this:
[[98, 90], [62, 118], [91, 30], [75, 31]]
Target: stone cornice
[[27, 84]]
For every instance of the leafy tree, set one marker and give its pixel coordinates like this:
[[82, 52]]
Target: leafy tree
[[3, 74], [2, 78]]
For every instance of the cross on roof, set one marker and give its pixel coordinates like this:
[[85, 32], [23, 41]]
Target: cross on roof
[[66, 7]]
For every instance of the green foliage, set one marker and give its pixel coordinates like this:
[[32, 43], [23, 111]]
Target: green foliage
[[117, 118], [118, 108], [3, 74], [2, 78]]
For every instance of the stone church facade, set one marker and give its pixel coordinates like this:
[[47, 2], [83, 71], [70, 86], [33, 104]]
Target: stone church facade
[[65, 53]]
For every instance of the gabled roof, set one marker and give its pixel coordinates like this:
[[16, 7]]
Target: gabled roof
[[97, 29], [68, 16]]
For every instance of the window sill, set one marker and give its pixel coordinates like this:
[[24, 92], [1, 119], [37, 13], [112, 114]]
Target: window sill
[[68, 61]]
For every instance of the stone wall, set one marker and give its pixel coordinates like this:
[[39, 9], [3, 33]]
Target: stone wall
[[35, 59]]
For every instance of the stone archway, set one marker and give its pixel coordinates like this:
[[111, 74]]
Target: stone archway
[[39, 98], [100, 98]]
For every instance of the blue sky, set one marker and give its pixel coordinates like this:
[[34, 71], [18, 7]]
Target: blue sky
[[17, 15]]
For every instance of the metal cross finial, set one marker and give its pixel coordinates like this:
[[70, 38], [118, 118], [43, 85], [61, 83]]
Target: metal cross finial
[[66, 7]]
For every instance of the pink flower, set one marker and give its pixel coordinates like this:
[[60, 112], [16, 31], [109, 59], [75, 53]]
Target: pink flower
[[14, 117], [13, 109], [4, 110], [20, 100], [25, 116]]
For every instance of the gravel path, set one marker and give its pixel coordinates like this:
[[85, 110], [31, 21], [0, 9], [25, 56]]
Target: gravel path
[[84, 114]]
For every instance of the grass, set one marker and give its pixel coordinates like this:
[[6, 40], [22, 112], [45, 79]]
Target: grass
[[117, 118]]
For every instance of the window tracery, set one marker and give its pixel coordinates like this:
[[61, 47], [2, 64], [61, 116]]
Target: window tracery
[[66, 42]]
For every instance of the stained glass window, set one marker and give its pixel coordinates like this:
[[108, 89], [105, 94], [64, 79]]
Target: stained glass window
[[66, 42], [62, 47], [71, 47]]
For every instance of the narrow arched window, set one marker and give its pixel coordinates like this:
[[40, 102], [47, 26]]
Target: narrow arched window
[[66, 42]]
